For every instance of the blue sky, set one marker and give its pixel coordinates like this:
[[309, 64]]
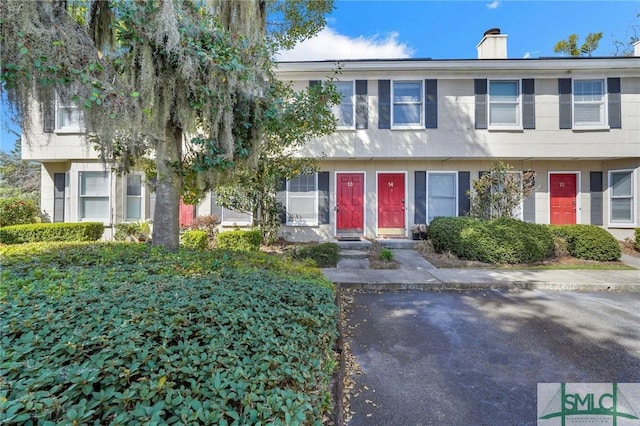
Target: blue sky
[[451, 30]]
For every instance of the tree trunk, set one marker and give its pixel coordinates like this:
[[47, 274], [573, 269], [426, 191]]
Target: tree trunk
[[166, 228]]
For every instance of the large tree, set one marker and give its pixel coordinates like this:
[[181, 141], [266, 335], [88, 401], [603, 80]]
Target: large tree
[[150, 74], [18, 177], [570, 45]]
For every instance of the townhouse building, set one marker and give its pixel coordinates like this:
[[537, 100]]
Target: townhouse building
[[412, 136]]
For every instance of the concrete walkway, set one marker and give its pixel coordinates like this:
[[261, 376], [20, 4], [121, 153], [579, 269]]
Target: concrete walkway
[[416, 273]]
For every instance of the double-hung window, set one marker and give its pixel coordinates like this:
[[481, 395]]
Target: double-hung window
[[345, 110], [407, 104], [302, 200], [504, 104], [621, 197], [133, 197], [442, 192], [68, 116], [589, 106], [94, 197]]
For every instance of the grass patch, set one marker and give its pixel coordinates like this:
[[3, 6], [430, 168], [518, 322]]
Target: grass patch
[[122, 333]]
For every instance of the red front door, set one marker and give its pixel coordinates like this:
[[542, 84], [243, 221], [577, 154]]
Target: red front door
[[391, 203], [187, 214], [562, 190], [350, 202]]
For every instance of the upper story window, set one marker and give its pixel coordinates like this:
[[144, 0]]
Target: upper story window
[[504, 104], [133, 197], [407, 103], [345, 110], [589, 103], [302, 200], [94, 197], [68, 116]]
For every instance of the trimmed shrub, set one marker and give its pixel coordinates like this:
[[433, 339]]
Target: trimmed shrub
[[588, 242], [125, 230], [17, 211], [195, 240], [325, 255], [636, 240], [492, 241], [239, 240], [115, 333], [209, 224], [61, 231]]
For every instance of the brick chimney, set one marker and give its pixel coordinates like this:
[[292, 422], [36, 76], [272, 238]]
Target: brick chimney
[[493, 45]]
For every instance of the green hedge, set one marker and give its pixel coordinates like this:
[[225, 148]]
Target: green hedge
[[492, 241], [325, 255], [38, 232], [239, 240], [588, 242], [636, 240], [17, 211], [117, 333], [195, 240]]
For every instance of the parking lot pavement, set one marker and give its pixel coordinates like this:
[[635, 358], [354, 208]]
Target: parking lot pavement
[[475, 357]]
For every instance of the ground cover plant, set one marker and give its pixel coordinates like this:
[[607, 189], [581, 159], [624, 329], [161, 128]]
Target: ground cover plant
[[122, 333]]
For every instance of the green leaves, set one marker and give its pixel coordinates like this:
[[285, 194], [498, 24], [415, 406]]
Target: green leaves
[[198, 338]]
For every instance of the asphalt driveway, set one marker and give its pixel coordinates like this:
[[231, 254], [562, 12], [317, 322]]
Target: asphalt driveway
[[475, 358]]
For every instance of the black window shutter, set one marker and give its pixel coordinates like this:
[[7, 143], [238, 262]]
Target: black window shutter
[[615, 105], [529, 206], [58, 197], [362, 108], [564, 93], [420, 197], [480, 91], [464, 185], [323, 198], [281, 197], [597, 204], [384, 104], [431, 104], [528, 103]]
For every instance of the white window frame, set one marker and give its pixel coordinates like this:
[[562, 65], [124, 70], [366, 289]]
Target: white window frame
[[455, 195], [107, 194], [336, 108], [518, 105], [604, 113], [633, 197], [235, 222], [418, 125], [292, 221], [140, 197], [76, 109]]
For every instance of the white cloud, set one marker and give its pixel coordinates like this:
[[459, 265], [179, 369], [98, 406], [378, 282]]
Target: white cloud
[[329, 44], [527, 55], [494, 4]]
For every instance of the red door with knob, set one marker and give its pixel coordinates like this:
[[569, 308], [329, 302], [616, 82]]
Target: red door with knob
[[391, 202], [350, 202], [562, 192]]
